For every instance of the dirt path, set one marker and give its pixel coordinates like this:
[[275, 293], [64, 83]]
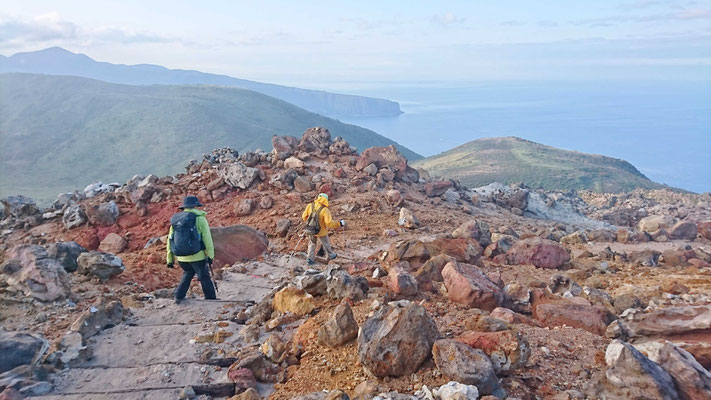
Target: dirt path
[[163, 347]]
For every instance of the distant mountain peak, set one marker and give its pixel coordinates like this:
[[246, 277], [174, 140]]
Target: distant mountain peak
[[512, 159], [60, 61]]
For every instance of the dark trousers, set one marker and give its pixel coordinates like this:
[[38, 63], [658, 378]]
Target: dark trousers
[[190, 269]]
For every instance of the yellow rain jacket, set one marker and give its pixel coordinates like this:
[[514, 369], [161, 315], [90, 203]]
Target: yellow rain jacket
[[325, 221], [204, 230]]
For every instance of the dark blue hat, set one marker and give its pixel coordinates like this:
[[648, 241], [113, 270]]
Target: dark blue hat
[[191, 202]]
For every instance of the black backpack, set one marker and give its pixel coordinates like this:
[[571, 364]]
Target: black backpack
[[312, 223], [186, 239]]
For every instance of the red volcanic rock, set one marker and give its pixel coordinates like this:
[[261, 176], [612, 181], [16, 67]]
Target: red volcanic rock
[[542, 253], [236, 243], [383, 156], [467, 285], [592, 318]]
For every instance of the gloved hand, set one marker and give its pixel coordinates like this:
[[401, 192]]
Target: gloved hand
[[342, 222], [209, 261], [171, 265]]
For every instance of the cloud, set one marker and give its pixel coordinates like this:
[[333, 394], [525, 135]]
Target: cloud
[[51, 28], [447, 19], [512, 22], [685, 14]]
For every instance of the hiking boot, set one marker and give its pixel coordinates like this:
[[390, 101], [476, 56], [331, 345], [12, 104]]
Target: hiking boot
[[310, 262], [178, 301], [333, 256]]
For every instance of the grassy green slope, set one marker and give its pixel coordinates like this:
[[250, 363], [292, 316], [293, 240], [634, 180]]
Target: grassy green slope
[[58, 133], [512, 159]]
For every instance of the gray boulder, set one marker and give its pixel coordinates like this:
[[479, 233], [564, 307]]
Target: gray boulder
[[73, 217], [102, 265], [66, 253], [396, 340], [341, 285], [459, 362], [631, 375], [340, 328], [104, 214], [20, 348], [237, 174], [19, 207], [98, 317], [30, 270]]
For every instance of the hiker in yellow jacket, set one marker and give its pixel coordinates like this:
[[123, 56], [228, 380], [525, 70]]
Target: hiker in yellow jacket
[[190, 241], [325, 221]]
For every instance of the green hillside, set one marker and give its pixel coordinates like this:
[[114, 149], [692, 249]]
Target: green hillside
[[59, 133], [511, 159]]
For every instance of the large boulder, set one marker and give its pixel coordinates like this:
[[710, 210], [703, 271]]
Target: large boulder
[[631, 375], [237, 174], [316, 141], [99, 316], [20, 348], [507, 350], [303, 185], [687, 326], [341, 285], [461, 363], [396, 340], [474, 229], [340, 328], [401, 282], [684, 230], [104, 214], [592, 318], [73, 217], [542, 253], [284, 180], [654, 223], [462, 249], [437, 188], [294, 300], [692, 380], [30, 270], [413, 251], [384, 157], [467, 285], [113, 243], [284, 146], [431, 271], [19, 207], [101, 265], [66, 253], [236, 243]]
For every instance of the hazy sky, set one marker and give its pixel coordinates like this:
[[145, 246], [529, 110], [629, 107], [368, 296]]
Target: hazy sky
[[323, 43]]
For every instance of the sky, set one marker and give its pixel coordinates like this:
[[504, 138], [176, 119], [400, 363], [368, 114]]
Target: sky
[[325, 43]]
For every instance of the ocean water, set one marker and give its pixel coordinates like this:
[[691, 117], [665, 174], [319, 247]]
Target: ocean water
[[662, 128]]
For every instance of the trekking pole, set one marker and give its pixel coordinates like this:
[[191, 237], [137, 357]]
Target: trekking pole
[[301, 237], [212, 277]]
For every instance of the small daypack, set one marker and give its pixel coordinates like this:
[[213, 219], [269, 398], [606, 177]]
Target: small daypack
[[186, 239], [312, 223]]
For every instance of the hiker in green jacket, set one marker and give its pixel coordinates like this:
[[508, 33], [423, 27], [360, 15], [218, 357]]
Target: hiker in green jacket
[[190, 241]]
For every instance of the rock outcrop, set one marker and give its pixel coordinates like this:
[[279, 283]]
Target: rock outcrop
[[396, 340]]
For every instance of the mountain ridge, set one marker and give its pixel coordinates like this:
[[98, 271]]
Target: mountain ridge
[[59, 61], [512, 159], [57, 132]]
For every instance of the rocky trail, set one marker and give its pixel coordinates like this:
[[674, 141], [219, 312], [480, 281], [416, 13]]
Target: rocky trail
[[440, 292], [164, 347]]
